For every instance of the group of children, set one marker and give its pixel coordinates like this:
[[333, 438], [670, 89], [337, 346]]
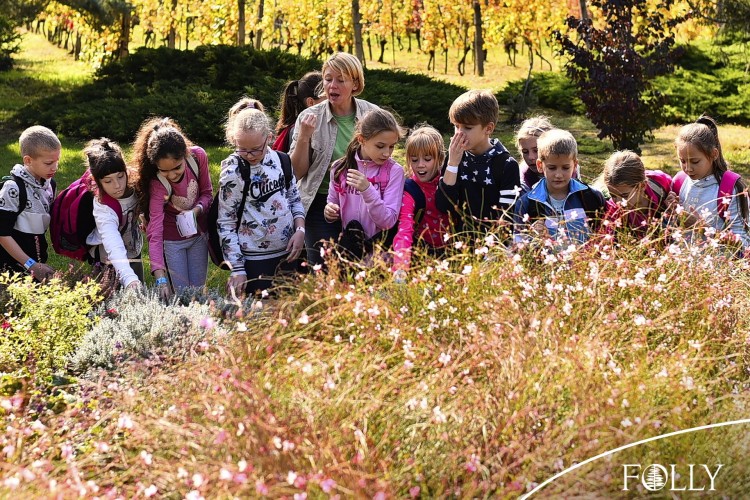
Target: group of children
[[166, 190]]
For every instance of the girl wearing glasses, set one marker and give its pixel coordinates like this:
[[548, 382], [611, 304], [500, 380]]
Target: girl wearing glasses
[[175, 192], [261, 221]]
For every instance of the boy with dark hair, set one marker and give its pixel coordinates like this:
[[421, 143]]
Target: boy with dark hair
[[25, 202], [558, 206], [481, 181]]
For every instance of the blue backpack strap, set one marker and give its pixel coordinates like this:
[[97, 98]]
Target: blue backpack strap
[[411, 187]]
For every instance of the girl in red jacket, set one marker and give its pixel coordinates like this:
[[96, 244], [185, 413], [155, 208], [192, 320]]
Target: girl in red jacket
[[419, 221]]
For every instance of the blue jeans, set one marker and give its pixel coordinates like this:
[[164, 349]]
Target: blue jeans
[[318, 230]]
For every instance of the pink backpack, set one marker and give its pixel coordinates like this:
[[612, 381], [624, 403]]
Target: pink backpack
[[72, 217], [726, 190]]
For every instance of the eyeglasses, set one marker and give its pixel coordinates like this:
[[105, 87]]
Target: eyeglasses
[[252, 152]]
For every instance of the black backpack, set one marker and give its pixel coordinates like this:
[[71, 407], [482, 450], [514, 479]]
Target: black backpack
[[214, 240], [23, 196]]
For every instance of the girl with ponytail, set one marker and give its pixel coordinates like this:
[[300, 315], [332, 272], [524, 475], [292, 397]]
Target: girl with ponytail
[[710, 193], [298, 95]]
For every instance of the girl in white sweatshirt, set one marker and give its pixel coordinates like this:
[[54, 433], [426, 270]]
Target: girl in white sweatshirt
[[117, 239]]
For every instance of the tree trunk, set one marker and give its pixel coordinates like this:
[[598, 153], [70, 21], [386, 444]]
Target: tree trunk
[[478, 42], [172, 35], [359, 49], [241, 23], [259, 31], [124, 41], [584, 12]]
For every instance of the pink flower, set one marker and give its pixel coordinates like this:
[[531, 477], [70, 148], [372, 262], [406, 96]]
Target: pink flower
[[150, 491], [221, 437], [240, 478], [414, 491], [327, 485], [146, 457], [207, 323], [379, 496], [261, 487]]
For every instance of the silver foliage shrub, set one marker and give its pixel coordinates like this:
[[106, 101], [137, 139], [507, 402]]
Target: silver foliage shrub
[[132, 325]]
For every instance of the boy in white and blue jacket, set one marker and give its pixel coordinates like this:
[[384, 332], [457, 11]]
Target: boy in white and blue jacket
[[558, 206], [25, 204]]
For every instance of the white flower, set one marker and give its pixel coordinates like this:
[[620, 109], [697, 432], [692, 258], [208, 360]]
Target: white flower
[[444, 358]]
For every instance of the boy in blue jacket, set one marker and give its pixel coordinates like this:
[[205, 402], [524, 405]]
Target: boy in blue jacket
[[558, 207]]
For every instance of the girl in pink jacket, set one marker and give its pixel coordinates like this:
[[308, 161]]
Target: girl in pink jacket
[[367, 185]]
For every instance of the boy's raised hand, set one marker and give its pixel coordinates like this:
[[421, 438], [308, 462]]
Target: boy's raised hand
[[456, 148]]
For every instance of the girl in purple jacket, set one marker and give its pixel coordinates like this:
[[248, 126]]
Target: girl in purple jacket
[[175, 193], [367, 185]]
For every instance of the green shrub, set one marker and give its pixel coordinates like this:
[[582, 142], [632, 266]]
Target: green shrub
[[43, 324], [704, 82], [551, 90], [197, 88]]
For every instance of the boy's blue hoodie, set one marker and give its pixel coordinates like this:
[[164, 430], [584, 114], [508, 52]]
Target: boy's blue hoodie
[[575, 217]]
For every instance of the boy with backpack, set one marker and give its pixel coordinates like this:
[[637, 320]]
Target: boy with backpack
[[25, 201], [558, 206]]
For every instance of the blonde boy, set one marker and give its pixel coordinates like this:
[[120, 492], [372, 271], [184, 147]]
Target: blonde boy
[[481, 179], [558, 206], [25, 203]]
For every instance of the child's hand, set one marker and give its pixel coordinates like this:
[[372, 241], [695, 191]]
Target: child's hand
[[672, 200], [307, 126], [135, 285], [295, 246], [539, 229], [456, 148], [142, 224], [41, 272], [332, 212], [165, 292], [356, 179], [236, 285]]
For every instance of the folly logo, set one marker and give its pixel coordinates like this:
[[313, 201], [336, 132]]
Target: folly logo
[[655, 477]]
